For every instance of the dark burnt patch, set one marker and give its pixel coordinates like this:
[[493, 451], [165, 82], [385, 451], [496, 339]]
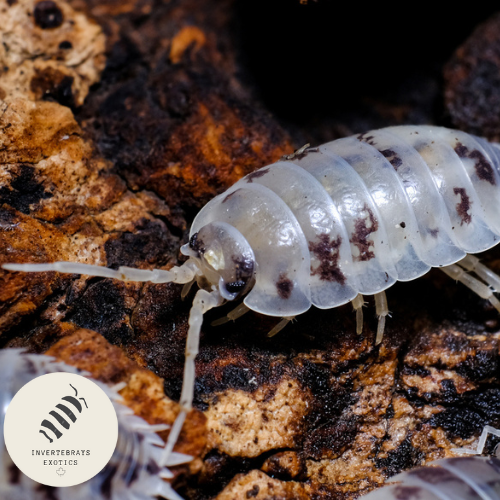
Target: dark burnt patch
[[464, 206], [151, 242], [331, 439], [65, 45], [363, 227], [219, 469], [102, 308], [327, 252], [286, 465], [459, 422], [405, 456], [50, 84], [48, 15], [484, 169], [25, 190], [255, 175], [284, 286], [197, 244]]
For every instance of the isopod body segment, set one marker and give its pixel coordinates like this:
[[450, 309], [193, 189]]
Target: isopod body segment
[[461, 478]]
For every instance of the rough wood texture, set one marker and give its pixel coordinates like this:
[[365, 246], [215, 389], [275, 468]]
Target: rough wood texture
[[128, 117]]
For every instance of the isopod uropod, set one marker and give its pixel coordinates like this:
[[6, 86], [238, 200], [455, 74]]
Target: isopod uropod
[[136, 469], [327, 225]]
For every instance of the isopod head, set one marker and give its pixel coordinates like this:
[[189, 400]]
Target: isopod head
[[224, 257]]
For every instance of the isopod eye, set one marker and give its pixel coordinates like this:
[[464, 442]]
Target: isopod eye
[[235, 286], [196, 244]]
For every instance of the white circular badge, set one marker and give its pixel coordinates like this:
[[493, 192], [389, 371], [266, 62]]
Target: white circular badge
[[61, 429]]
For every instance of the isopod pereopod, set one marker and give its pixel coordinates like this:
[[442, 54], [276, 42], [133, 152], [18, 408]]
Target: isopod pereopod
[[137, 468], [327, 225]]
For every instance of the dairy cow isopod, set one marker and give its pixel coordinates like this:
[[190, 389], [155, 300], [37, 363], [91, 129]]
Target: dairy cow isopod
[[327, 225]]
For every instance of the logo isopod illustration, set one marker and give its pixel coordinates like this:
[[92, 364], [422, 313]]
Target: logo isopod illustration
[[60, 419]]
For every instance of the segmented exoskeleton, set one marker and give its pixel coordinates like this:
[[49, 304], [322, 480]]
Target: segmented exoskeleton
[[136, 470], [460, 478], [327, 225]]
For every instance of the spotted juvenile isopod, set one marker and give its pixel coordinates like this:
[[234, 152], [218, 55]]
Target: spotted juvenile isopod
[[139, 463], [327, 225], [458, 478], [62, 420]]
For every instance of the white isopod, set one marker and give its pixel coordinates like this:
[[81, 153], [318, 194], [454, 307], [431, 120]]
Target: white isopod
[[137, 468], [459, 478], [327, 225]]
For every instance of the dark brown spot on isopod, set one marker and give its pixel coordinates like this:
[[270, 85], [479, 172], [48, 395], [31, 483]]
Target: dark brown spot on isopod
[[464, 206], [407, 492], [228, 197], [392, 157], [284, 286], [363, 227], [402, 224], [244, 268], [327, 252], [484, 169], [48, 15], [256, 174], [366, 138]]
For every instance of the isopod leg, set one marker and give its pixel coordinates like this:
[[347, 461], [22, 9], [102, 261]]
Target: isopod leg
[[472, 264], [382, 311], [183, 274], [277, 328], [457, 273], [233, 315], [358, 303], [481, 443], [203, 301]]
